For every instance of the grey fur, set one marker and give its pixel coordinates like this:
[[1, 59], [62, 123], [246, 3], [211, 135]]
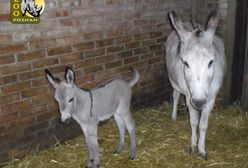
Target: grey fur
[[111, 99]]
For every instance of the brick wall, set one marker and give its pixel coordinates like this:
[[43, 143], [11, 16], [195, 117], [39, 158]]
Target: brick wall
[[203, 9], [100, 39]]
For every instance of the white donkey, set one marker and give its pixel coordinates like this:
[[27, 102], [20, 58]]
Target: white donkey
[[195, 62], [88, 107]]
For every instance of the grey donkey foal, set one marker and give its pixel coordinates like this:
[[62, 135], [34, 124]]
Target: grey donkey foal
[[88, 107]]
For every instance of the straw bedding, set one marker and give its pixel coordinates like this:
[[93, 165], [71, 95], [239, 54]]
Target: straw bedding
[[161, 142]]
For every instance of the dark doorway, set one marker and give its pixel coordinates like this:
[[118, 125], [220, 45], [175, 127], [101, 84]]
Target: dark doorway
[[238, 65]]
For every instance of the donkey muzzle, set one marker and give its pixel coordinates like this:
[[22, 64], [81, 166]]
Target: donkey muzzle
[[65, 118], [198, 103]]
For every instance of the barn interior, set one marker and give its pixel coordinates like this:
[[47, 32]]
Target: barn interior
[[101, 40]]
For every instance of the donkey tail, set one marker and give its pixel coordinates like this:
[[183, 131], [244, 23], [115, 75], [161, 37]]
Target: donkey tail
[[135, 79]]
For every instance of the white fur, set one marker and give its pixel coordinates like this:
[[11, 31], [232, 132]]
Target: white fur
[[189, 53]]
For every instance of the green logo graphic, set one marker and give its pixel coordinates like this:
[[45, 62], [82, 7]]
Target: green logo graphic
[[26, 11]]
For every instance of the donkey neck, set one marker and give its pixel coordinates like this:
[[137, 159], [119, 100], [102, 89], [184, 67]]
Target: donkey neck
[[83, 103]]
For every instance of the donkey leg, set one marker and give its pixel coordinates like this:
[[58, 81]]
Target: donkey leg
[[89, 161], [129, 123], [203, 128], [194, 120], [121, 126], [90, 133], [175, 96]]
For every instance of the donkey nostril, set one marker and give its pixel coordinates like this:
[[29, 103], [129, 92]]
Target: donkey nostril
[[198, 103]]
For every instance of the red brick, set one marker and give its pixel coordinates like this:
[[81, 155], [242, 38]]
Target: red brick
[[141, 50], [70, 22], [148, 42], [160, 53], [59, 50], [5, 38], [127, 53], [83, 46], [9, 98], [131, 60], [16, 107], [6, 117], [85, 63], [42, 43], [4, 17], [93, 69], [39, 82], [115, 33], [155, 34], [45, 63], [13, 48], [113, 64], [8, 79], [39, 54], [16, 87], [94, 53], [114, 49], [105, 59], [71, 57], [93, 35], [132, 15], [68, 39], [146, 56], [42, 99], [123, 39], [36, 109], [134, 1], [57, 69], [113, 2], [132, 45], [61, 13], [34, 91], [139, 37], [14, 68], [141, 22], [156, 47], [31, 75], [154, 60], [104, 43], [8, 59]]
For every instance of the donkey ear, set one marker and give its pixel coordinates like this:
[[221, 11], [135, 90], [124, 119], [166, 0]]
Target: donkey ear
[[53, 81], [69, 75], [212, 22], [178, 25]]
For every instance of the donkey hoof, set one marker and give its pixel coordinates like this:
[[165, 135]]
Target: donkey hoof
[[203, 156], [131, 157], [97, 165], [191, 150], [117, 152], [174, 118], [89, 163]]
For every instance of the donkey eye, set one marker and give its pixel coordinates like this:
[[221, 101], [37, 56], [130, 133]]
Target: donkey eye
[[70, 100], [210, 63], [186, 64]]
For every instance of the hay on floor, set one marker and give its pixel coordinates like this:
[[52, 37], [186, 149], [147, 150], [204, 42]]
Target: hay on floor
[[161, 142]]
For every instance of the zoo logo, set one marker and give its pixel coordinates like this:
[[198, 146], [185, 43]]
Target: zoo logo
[[26, 11]]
